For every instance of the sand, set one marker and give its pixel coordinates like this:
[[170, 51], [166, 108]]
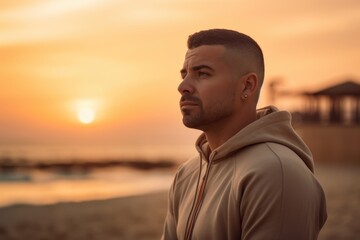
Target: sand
[[141, 217], [342, 190]]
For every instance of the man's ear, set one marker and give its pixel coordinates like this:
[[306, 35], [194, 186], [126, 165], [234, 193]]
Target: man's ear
[[250, 84]]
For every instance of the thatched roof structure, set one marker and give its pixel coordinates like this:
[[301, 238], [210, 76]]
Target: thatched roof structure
[[343, 100], [347, 88]]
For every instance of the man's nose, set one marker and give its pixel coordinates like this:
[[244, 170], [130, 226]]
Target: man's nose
[[186, 86]]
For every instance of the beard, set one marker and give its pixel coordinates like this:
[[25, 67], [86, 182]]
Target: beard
[[203, 118]]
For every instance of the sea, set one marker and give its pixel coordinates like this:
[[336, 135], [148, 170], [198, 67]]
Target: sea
[[39, 185]]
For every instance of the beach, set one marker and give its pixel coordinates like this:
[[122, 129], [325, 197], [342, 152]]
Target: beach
[[139, 217], [142, 216]]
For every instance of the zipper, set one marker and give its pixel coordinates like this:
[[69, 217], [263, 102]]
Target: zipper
[[198, 201]]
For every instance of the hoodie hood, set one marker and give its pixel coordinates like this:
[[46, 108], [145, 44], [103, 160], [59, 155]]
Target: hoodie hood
[[271, 125]]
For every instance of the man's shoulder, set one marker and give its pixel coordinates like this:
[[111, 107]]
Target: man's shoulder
[[268, 157]]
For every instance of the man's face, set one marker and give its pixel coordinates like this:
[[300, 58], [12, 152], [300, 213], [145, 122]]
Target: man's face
[[209, 88]]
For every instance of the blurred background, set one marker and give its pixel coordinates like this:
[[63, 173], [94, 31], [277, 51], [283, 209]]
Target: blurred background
[[90, 128]]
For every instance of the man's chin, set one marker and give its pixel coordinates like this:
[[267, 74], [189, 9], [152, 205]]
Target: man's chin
[[191, 123]]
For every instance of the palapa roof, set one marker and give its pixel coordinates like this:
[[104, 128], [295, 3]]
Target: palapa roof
[[347, 88]]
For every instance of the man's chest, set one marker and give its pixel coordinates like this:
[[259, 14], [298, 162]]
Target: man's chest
[[216, 216]]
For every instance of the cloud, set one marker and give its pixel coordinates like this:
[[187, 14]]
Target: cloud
[[46, 9], [309, 24], [42, 21], [47, 21]]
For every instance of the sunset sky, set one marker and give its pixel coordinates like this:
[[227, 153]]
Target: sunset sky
[[119, 61]]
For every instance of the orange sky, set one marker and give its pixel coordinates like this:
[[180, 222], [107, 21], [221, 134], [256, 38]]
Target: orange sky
[[122, 58]]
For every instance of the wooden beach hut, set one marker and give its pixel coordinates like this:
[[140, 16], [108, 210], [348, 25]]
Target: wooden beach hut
[[338, 104]]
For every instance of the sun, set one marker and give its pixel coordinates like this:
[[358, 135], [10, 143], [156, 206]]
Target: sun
[[86, 115], [86, 110]]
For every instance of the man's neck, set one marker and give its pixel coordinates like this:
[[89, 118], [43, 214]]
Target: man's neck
[[219, 135]]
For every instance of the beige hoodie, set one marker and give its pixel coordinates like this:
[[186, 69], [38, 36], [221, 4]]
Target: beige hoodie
[[257, 185]]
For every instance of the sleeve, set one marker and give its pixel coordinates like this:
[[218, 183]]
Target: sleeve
[[280, 201], [169, 231]]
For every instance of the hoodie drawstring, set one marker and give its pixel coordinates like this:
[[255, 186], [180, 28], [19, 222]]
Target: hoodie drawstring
[[198, 199], [195, 197]]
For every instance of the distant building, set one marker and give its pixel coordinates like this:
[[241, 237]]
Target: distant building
[[338, 104], [329, 122]]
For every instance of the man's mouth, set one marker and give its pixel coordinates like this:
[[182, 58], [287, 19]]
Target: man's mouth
[[187, 104]]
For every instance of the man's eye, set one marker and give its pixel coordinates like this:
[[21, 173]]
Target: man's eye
[[203, 74]]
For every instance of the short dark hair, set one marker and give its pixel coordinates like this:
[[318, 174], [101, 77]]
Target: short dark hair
[[229, 39]]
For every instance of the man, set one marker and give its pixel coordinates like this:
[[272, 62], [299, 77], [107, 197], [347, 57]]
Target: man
[[253, 177]]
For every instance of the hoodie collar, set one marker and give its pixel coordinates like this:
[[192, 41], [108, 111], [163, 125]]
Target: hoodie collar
[[271, 125]]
